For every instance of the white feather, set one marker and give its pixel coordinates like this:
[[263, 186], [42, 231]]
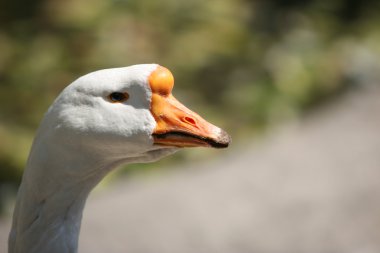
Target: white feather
[[81, 138]]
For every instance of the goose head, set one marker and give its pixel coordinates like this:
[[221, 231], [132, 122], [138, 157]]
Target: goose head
[[101, 120], [127, 114]]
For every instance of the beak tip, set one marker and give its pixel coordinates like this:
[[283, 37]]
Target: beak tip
[[223, 140]]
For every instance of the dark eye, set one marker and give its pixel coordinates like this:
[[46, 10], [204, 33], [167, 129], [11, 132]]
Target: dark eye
[[118, 97]]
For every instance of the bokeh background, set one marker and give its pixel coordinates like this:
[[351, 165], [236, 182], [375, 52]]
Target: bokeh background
[[247, 66]]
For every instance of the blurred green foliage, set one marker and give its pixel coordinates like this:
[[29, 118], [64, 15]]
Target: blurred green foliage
[[243, 64]]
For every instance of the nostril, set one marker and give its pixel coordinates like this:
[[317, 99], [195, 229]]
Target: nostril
[[189, 120]]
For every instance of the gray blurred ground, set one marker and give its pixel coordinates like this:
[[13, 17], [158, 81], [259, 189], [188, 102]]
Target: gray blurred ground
[[313, 186]]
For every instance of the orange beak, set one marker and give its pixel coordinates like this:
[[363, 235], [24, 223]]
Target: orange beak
[[177, 125]]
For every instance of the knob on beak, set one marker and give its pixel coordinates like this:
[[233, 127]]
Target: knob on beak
[[176, 124]]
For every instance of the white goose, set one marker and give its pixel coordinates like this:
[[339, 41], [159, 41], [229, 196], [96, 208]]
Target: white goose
[[103, 119]]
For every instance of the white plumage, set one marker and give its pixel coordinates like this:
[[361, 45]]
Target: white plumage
[[84, 135]]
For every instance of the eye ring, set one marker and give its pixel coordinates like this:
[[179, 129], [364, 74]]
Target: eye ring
[[118, 97]]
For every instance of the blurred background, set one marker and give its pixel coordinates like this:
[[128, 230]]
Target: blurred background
[[248, 66]]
